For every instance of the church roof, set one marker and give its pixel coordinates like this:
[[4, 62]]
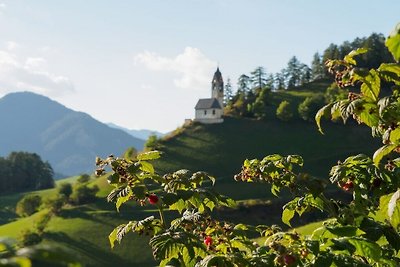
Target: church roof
[[207, 103], [217, 76]]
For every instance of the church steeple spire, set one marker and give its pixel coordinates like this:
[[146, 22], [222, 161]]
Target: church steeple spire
[[217, 87]]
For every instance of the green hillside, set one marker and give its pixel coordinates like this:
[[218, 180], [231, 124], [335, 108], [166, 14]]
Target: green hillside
[[84, 229], [219, 149]]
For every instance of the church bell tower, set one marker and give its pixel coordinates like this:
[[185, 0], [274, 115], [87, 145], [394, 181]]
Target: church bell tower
[[217, 87]]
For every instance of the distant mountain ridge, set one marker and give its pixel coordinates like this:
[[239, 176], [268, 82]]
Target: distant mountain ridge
[[141, 134], [68, 139]]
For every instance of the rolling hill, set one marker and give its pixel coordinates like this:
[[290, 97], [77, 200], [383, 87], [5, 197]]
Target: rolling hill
[[68, 139]]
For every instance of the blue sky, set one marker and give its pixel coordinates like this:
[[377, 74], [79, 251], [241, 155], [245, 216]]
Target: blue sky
[[144, 64]]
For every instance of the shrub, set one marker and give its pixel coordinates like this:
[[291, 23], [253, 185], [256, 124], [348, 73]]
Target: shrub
[[83, 194], [29, 238], [284, 112], [152, 142], [83, 178], [28, 205], [42, 221], [55, 204], [65, 189], [309, 107]]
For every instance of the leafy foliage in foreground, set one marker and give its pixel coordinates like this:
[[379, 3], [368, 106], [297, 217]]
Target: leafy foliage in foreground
[[361, 232]]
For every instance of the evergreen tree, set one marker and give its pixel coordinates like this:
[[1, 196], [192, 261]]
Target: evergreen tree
[[243, 83], [293, 73], [22, 171], [305, 74], [317, 67], [228, 92], [279, 80], [258, 78]]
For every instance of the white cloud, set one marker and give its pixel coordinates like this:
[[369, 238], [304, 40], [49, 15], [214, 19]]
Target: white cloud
[[192, 66], [10, 45], [30, 74], [35, 63]]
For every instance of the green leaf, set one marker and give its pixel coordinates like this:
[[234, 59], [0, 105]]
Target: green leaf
[[295, 159], [390, 72], [369, 115], [393, 237], [287, 215], [151, 155], [366, 249], [170, 199], [341, 231], [179, 205], [147, 167], [382, 151], [394, 209], [113, 179], [371, 85], [393, 43], [325, 111], [275, 190], [122, 199], [112, 237], [139, 191], [350, 57], [395, 136]]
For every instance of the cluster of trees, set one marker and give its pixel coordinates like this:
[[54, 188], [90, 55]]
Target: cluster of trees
[[295, 74], [253, 93], [23, 171]]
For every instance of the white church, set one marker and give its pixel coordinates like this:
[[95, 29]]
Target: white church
[[210, 110]]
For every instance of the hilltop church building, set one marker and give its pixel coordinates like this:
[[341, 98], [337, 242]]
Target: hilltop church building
[[210, 110]]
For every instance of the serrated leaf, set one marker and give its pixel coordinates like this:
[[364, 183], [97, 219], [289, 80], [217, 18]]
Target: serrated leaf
[[295, 159], [139, 191], [113, 179], [349, 58], [393, 43], [390, 72], [395, 136], [127, 193], [366, 249], [371, 85], [287, 215], [112, 237], [394, 209], [151, 155], [170, 198], [341, 231], [381, 152], [179, 205], [369, 116], [325, 111], [393, 237], [146, 167]]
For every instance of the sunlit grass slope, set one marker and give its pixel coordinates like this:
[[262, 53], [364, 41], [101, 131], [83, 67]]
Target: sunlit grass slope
[[220, 149]]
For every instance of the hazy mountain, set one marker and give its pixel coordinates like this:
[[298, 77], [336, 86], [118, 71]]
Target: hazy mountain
[[69, 140], [141, 134]]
